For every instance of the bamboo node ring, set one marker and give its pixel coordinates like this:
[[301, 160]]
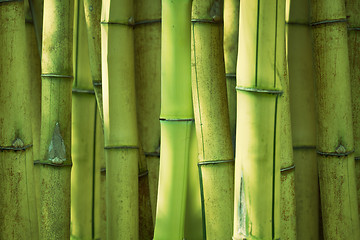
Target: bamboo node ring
[[287, 168], [142, 22], [152, 154], [231, 75], [353, 28], [77, 90], [50, 163], [143, 174], [97, 83], [56, 75], [328, 21], [214, 20], [177, 119], [258, 90], [335, 154], [15, 148], [215, 162], [11, 1], [121, 147], [357, 158]]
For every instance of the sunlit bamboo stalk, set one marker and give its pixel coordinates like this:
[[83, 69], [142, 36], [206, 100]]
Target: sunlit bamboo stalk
[[18, 220], [55, 140], [353, 16], [257, 173], [176, 119], [335, 143], [216, 159], [303, 119], [83, 134], [120, 122]]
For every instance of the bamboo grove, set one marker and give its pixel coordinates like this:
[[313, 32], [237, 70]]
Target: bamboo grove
[[179, 119]]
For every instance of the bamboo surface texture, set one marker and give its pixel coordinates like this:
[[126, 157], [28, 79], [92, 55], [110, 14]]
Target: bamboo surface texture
[[55, 140], [231, 39], [352, 11], [176, 119], [303, 119], [120, 124], [257, 173], [216, 159], [83, 134], [17, 190], [335, 144]]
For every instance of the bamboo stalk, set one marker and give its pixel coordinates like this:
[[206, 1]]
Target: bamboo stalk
[[303, 120], [83, 134], [120, 124], [335, 144], [16, 174], [176, 119], [257, 173], [37, 9], [55, 140], [216, 161], [231, 36], [147, 34], [92, 10], [353, 16]]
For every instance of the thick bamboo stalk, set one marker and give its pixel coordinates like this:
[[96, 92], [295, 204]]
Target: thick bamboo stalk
[[257, 173], [176, 119], [303, 120], [83, 134], [120, 124], [231, 39], [16, 173], [353, 16], [216, 159], [285, 150], [92, 15], [55, 140], [335, 144], [147, 33]]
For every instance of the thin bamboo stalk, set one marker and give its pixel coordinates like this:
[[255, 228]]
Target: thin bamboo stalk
[[120, 124], [83, 134], [92, 15], [353, 16], [231, 39], [176, 119], [303, 120], [37, 9], [257, 173], [335, 144], [16, 172], [285, 150], [216, 155], [147, 33], [55, 140]]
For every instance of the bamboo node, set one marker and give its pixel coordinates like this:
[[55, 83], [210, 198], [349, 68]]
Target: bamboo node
[[215, 162], [57, 151], [287, 168], [177, 119], [18, 143], [357, 158], [56, 75], [16, 148], [353, 28], [97, 83], [340, 151], [77, 90], [1, 1], [328, 21], [211, 20], [131, 21], [121, 147], [142, 22], [258, 90], [231, 75]]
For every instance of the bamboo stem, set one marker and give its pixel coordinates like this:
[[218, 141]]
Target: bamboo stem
[[176, 119], [335, 144], [17, 202], [55, 141], [120, 122], [303, 120], [212, 118]]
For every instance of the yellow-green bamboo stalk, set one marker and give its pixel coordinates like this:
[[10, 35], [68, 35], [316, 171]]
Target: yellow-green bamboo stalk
[[16, 174], [120, 124], [335, 144], [176, 119], [37, 9], [257, 174], [92, 15], [231, 34], [193, 215], [216, 158], [33, 69], [352, 11], [303, 119], [284, 138], [147, 33], [55, 140], [83, 133]]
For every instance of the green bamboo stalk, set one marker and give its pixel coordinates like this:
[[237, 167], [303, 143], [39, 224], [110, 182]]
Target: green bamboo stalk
[[83, 134], [55, 140], [216, 158], [147, 34], [303, 119], [231, 36], [16, 174], [176, 119], [284, 138], [335, 144], [257, 173], [92, 15], [120, 124], [353, 16], [37, 9]]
